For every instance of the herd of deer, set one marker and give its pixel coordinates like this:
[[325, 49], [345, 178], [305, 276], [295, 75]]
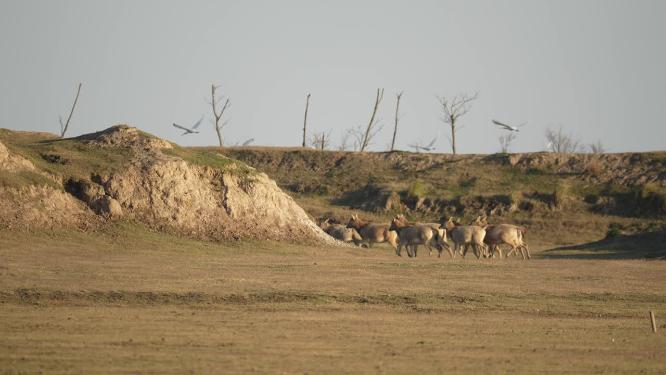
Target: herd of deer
[[484, 239]]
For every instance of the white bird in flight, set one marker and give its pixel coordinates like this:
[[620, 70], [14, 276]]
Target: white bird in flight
[[192, 130], [429, 147], [508, 127]]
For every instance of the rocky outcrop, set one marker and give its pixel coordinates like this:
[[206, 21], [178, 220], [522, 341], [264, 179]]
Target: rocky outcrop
[[168, 193], [10, 162], [628, 169]]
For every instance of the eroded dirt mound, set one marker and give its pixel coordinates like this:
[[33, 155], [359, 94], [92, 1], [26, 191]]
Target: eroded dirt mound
[[168, 193], [127, 137], [10, 162], [204, 195], [40, 207], [25, 206]]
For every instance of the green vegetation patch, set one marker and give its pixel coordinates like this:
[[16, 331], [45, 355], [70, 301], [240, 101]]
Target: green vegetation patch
[[68, 157], [210, 158], [419, 189]]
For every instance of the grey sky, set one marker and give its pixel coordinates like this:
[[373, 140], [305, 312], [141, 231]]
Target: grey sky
[[594, 67]]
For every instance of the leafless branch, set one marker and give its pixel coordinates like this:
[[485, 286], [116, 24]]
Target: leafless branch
[[214, 102], [63, 127], [398, 96], [597, 148], [305, 117], [356, 134], [560, 142], [371, 130], [344, 141], [505, 141], [321, 140], [454, 108]]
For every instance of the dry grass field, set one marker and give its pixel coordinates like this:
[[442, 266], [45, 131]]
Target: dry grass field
[[127, 300]]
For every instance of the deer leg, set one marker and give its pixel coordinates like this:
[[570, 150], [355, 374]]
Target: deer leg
[[518, 247], [448, 248], [410, 252]]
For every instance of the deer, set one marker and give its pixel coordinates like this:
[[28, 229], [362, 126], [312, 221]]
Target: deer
[[341, 232], [372, 233], [414, 234]]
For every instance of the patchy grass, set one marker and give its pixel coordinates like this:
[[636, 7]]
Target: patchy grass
[[67, 157], [210, 157], [126, 299], [25, 178], [418, 189]]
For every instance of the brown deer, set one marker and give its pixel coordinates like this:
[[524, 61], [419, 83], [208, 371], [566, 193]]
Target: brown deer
[[507, 234], [413, 234], [373, 232], [341, 232]]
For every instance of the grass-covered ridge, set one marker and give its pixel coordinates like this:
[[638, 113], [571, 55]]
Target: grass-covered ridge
[[210, 157], [81, 158], [576, 178], [65, 158]]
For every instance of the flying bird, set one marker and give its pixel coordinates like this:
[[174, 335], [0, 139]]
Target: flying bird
[[508, 127], [429, 147], [192, 130]]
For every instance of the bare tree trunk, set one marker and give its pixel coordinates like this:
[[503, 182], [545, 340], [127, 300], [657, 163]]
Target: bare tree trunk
[[369, 130], [453, 136], [321, 140], [397, 118], [63, 127], [305, 117], [453, 109], [218, 115]]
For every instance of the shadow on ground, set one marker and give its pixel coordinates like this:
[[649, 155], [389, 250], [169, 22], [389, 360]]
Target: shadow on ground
[[651, 245]]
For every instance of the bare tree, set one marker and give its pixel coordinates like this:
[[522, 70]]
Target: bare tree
[[452, 110], [372, 128], [505, 141], [560, 142], [354, 136], [344, 141], [597, 148], [65, 125], [397, 118], [215, 102], [305, 117], [321, 140]]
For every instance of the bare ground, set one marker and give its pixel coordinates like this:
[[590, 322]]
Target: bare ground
[[127, 300]]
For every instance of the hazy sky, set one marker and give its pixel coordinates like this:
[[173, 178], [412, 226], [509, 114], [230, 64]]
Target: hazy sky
[[596, 68]]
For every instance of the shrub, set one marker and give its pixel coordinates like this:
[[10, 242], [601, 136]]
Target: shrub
[[594, 166], [418, 189], [614, 230], [648, 199]]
